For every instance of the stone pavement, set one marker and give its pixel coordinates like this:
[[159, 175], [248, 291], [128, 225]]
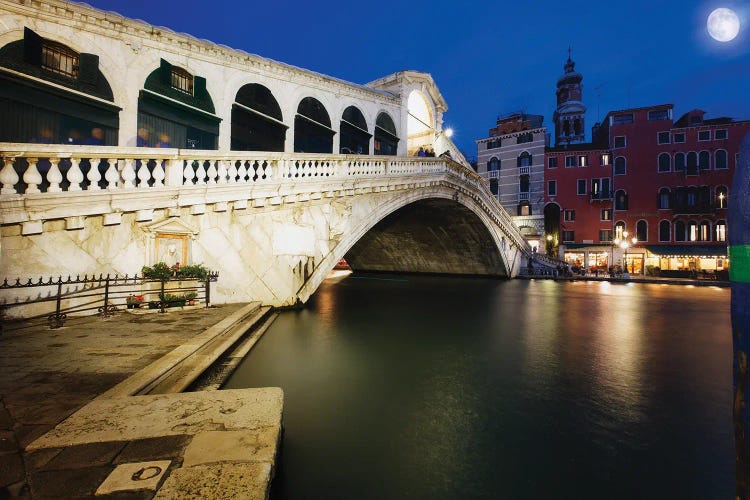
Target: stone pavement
[[47, 375]]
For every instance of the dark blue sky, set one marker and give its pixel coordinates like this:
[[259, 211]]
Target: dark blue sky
[[490, 58]]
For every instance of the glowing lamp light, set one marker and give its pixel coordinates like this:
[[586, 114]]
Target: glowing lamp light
[[449, 132]]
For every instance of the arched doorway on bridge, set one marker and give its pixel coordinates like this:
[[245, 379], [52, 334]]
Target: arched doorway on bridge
[[312, 128], [55, 95], [175, 110], [420, 125], [386, 138], [257, 123], [354, 137], [552, 228]]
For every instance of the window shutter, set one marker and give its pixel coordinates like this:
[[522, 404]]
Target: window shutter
[[165, 70], [199, 87], [32, 47], [88, 68]]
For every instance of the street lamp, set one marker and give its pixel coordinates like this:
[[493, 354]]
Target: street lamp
[[624, 243]]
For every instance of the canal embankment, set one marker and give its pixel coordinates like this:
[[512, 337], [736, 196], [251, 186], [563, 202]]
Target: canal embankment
[[97, 407]]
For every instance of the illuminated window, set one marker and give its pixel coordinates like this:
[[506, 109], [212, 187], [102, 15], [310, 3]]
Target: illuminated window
[[570, 215], [182, 80], [59, 59], [583, 161], [692, 231], [606, 214], [604, 159], [704, 231], [619, 229], [721, 231]]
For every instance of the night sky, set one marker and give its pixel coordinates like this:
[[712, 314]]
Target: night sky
[[491, 58]]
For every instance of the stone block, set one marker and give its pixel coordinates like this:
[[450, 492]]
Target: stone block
[[259, 202], [112, 219], [232, 446], [73, 223], [70, 483], [134, 476], [31, 227], [198, 209], [86, 455], [227, 480], [221, 206], [159, 448], [144, 215], [240, 205]]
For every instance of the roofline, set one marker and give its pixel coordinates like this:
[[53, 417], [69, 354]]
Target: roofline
[[641, 108]]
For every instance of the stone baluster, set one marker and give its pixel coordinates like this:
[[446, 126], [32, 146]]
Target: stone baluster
[[212, 172], [189, 173], [75, 175], [128, 174], [264, 170], [32, 177], [54, 176], [112, 176], [272, 169], [242, 172], [93, 174], [232, 172], [173, 173], [143, 174], [158, 174], [222, 172], [8, 177], [200, 173]]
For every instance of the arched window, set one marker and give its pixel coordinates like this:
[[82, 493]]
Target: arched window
[[721, 197], [679, 162], [665, 162], [524, 160], [577, 126], [619, 229], [257, 124], [665, 228], [641, 230], [721, 230], [704, 160], [692, 231], [493, 164], [720, 161], [312, 128], [664, 198], [704, 231], [566, 127], [692, 163], [621, 200], [679, 231], [620, 166], [523, 183], [386, 139], [354, 138]]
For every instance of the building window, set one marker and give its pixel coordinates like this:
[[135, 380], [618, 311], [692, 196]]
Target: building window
[[620, 165], [661, 114], [583, 161], [721, 197], [721, 231], [665, 230], [494, 144], [523, 138], [621, 200], [664, 198], [662, 138], [600, 189], [679, 137], [704, 231], [720, 160], [704, 135], [720, 134], [568, 236], [552, 188], [641, 230], [524, 208], [570, 215], [606, 214], [552, 162], [493, 164], [620, 141], [692, 231], [619, 229], [524, 160], [570, 161], [182, 80], [704, 160], [692, 163], [605, 235], [581, 186], [493, 186], [690, 198], [604, 159], [679, 162], [679, 231], [665, 162], [623, 119], [523, 183], [59, 59]]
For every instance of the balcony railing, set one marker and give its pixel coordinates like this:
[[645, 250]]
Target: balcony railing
[[523, 196], [524, 170], [602, 196], [493, 174]]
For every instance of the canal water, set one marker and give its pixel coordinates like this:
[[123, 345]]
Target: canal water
[[432, 387]]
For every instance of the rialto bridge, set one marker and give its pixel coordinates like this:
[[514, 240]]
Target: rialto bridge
[[125, 144]]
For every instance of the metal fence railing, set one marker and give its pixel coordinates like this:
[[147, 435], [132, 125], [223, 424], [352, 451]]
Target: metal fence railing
[[54, 299]]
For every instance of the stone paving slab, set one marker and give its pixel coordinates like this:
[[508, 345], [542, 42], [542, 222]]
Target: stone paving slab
[[218, 481]]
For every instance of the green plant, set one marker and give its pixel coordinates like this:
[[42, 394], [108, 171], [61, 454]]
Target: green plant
[[159, 271], [193, 271], [191, 296]]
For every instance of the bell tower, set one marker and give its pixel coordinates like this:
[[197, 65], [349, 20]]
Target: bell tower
[[570, 113]]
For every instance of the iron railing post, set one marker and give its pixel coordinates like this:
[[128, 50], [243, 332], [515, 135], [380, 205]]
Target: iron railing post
[[208, 291]]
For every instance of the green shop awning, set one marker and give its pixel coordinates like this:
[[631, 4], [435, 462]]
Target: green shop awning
[[689, 250]]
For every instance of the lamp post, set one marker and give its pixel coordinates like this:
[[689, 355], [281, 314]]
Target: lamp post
[[624, 243]]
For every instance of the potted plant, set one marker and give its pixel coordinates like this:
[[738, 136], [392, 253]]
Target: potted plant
[[134, 301], [159, 271], [190, 298]]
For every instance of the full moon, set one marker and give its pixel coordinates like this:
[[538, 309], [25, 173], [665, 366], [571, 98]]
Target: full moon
[[723, 24]]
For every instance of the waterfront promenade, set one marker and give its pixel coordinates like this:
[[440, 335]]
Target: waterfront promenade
[[48, 375]]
